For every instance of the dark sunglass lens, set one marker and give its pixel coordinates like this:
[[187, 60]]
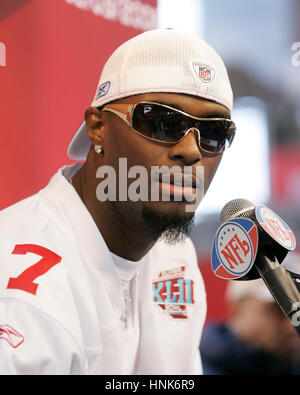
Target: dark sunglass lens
[[145, 119], [158, 122], [214, 135], [168, 125], [230, 133]]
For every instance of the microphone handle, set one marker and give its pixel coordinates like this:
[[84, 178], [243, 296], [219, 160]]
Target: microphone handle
[[282, 287]]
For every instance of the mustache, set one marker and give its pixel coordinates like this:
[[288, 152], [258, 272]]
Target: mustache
[[180, 178]]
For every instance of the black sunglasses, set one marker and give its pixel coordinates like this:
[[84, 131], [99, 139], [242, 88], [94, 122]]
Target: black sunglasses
[[163, 123]]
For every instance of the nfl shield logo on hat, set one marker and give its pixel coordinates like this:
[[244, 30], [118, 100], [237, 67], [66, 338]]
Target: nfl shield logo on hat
[[203, 72]]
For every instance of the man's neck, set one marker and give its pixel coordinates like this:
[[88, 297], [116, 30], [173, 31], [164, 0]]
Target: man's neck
[[120, 223]]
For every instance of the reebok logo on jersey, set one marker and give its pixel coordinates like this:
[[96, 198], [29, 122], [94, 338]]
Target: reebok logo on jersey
[[9, 334], [172, 293]]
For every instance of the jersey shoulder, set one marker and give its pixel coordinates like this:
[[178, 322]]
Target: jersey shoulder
[[34, 256]]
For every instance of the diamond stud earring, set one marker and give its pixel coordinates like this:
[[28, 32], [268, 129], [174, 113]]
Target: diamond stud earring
[[98, 148]]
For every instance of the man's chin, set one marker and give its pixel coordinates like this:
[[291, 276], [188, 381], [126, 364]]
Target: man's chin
[[168, 222], [171, 207]]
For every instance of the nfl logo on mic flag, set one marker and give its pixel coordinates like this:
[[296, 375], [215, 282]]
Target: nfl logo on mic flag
[[275, 227], [234, 248]]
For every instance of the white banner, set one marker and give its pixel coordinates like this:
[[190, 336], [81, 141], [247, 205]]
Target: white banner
[[132, 13]]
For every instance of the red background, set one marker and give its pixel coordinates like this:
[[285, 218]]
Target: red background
[[285, 180], [54, 55]]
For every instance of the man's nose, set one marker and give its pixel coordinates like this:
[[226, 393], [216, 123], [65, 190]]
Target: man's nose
[[188, 149]]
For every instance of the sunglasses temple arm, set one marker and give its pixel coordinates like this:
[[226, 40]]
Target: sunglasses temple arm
[[124, 116]]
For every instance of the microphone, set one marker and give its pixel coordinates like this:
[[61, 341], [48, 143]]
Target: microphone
[[252, 242]]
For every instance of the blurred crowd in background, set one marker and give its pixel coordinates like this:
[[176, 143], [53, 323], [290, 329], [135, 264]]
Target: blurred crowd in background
[[256, 338]]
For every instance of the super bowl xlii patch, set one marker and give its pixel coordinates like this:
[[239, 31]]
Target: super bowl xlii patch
[[172, 293]]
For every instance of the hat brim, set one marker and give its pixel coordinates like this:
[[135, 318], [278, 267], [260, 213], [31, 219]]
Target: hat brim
[[80, 144]]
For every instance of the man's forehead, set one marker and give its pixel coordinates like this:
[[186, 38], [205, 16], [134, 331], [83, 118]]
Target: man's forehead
[[193, 105]]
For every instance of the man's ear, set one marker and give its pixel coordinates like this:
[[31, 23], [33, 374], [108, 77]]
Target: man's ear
[[93, 120]]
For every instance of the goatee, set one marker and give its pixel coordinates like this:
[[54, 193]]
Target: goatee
[[171, 228]]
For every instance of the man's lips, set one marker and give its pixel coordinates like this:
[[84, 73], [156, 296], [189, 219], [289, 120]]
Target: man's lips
[[178, 179], [180, 185]]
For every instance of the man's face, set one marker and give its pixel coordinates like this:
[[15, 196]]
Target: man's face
[[120, 141]]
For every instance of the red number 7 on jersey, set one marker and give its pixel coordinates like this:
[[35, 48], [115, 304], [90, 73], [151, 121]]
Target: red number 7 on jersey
[[25, 280]]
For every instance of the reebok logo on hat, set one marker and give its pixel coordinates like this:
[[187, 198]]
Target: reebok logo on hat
[[103, 90]]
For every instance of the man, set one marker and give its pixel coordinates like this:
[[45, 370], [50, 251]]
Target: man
[[93, 279]]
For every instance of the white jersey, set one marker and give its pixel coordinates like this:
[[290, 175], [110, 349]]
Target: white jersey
[[69, 306]]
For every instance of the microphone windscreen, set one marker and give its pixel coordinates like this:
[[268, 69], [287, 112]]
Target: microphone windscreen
[[237, 208]]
